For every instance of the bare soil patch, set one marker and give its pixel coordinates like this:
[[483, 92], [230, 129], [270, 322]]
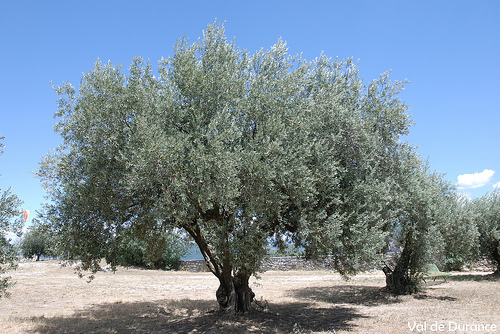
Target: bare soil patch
[[49, 298]]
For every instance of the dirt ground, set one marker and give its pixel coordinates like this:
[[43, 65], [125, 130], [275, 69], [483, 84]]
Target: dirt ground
[[49, 298]]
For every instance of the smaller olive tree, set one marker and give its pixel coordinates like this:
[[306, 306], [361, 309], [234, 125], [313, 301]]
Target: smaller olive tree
[[487, 213], [37, 241], [416, 229]]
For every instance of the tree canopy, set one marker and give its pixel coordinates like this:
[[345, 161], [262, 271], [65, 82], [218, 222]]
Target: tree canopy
[[237, 149]]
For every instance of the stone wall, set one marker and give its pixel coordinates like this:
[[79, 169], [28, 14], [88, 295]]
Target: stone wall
[[193, 265], [272, 263], [299, 263]]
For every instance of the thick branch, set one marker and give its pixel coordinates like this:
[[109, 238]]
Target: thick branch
[[180, 128], [211, 258], [212, 214]]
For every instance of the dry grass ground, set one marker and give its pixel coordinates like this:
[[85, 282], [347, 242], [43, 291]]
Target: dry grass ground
[[49, 298]]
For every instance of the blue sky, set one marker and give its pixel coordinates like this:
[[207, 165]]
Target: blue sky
[[448, 50]]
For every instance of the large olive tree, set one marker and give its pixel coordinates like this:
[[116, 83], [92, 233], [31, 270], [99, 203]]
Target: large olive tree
[[234, 148]]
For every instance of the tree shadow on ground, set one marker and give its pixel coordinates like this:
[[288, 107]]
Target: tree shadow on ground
[[435, 282], [424, 296], [474, 277], [186, 316], [357, 295], [347, 294]]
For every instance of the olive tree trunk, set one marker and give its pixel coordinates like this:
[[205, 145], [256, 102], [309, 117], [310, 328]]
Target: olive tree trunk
[[400, 279], [234, 293]]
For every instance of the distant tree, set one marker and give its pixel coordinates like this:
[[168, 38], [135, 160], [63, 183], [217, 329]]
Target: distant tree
[[233, 148], [10, 222], [458, 246], [487, 211], [37, 241], [149, 250]]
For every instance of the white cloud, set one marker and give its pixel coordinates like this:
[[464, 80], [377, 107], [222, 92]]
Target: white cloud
[[497, 185], [476, 180]]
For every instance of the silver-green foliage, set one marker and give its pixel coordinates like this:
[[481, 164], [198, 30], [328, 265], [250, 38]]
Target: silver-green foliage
[[234, 148], [164, 252], [457, 240], [487, 215], [10, 222]]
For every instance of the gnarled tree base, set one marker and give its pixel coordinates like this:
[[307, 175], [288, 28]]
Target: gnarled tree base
[[235, 296], [399, 281]]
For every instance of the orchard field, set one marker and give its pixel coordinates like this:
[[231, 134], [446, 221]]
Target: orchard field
[[49, 298]]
